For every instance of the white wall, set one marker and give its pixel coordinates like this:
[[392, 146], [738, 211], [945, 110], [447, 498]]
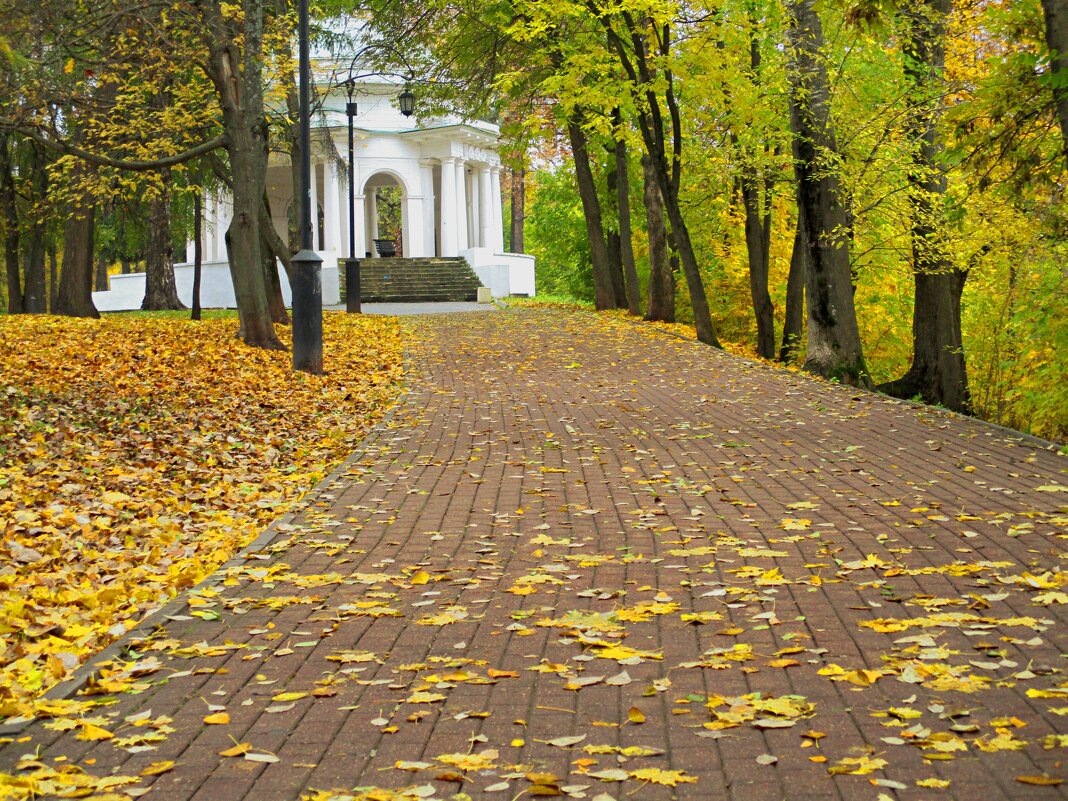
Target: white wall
[[216, 288], [504, 273]]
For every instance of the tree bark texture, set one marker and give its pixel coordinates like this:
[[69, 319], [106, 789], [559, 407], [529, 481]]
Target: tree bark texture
[[834, 347], [603, 296], [160, 290], [100, 276], [1056, 17], [661, 277], [519, 209], [938, 373], [793, 325], [75, 296]]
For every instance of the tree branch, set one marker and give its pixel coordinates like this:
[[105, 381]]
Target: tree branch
[[124, 164]]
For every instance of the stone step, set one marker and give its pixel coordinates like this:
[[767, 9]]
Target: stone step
[[401, 280]]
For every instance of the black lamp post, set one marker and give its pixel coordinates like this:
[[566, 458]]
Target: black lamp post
[[406, 100], [352, 264], [307, 282]]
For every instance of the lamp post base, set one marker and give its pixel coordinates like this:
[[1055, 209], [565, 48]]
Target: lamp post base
[[352, 286], [307, 313]]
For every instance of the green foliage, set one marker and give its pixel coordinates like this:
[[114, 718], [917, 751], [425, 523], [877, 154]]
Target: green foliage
[[556, 236]]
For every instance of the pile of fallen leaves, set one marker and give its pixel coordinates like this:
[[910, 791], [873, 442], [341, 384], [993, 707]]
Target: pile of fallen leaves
[[137, 455]]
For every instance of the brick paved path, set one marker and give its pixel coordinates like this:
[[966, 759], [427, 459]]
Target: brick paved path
[[577, 528]]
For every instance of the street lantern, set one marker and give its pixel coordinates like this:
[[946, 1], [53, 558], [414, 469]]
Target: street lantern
[[307, 281], [406, 99]]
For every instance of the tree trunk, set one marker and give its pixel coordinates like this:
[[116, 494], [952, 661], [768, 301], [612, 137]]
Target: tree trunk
[[604, 297], [35, 300], [758, 245], [198, 254], [615, 269], [938, 373], [237, 77], [100, 276], [626, 233], [75, 296], [160, 290], [661, 277], [834, 348], [270, 270], [757, 229], [1056, 15], [793, 326], [12, 239], [519, 209]]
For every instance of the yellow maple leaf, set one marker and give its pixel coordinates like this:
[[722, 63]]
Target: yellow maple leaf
[[668, 778]]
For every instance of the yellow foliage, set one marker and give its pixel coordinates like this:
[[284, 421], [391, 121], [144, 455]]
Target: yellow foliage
[[139, 454]]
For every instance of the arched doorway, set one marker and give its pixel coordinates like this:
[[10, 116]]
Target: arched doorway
[[385, 215]]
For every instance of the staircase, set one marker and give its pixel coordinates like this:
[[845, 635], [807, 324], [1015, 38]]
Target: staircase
[[430, 280]]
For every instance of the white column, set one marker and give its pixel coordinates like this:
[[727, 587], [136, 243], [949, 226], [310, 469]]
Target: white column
[[372, 219], [316, 244], [461, 205], [331, 208], [497, 214], [414, 241], [360, 226], [343, 187], [485, 209], [223, 213], [426, 177], [449, 215], [475, 204]]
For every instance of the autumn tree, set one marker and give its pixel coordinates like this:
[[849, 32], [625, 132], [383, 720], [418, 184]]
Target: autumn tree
[[834, 347]]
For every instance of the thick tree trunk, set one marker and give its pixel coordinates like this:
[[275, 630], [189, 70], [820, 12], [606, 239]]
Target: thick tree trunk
[[938, 373], [243, 242], [1056, 15], [519, 209], [758, 245], [160, 290], [604, 297], [626, 232], [834, 348], [661, 277], [793, 326], [75, 296], [237, 76]]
